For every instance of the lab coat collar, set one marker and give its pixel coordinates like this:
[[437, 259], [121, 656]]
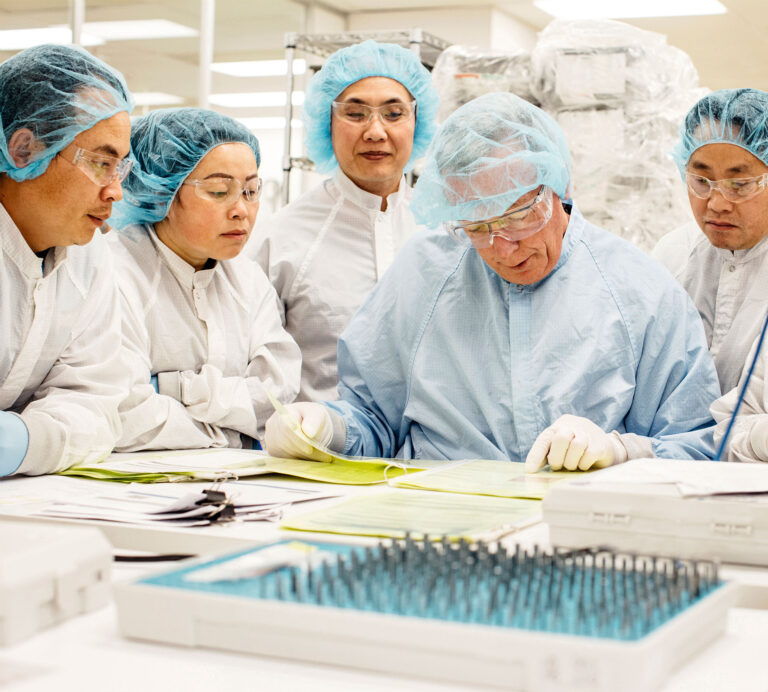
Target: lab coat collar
[[743, 256], [367, 200], [15, 247], [184, 272]]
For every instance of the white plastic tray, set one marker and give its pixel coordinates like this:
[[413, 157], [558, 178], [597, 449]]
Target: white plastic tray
[[467, 653]]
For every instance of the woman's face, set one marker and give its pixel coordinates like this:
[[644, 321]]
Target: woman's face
[[204, 222]]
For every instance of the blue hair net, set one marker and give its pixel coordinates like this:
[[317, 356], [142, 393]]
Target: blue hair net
[[728, 116], [350, 65], [57, 92], [167, 144], [486, 155]]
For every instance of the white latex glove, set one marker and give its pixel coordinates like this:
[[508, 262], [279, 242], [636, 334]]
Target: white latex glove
[[574, 443], [758, 438], [282, 441]]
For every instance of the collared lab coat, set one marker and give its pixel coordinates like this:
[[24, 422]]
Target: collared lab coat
[[447, 360], [215, 340], [324, 253], [728, 289], [59, 366]]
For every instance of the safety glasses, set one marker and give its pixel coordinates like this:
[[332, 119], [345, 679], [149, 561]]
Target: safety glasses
[[361, 114], [733, 189], [100, 168], [227, 190], [514, 225]]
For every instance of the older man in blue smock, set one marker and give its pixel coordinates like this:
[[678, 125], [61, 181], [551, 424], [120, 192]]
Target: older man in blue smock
[[537, 336]]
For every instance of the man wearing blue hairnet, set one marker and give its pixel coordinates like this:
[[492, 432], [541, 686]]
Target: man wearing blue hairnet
[[537, 336], [722, 258], [368, 115], [64, 139]]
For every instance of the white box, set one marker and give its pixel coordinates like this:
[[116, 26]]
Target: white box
[[48, 574], [654, 517]]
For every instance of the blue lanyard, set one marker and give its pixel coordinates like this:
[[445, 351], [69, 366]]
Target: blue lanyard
[[743, 391]]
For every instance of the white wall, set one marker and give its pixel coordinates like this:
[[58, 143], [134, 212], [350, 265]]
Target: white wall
[[484, 27]]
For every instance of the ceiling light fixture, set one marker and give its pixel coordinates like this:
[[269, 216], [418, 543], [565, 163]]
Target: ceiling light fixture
[[627, 9], [138, 29], [260, 99], [94, 33], [276, 123], [19, 39], [259, 68], [156, 98]]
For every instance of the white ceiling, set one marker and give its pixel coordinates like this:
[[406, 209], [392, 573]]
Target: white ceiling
[[728, 50]]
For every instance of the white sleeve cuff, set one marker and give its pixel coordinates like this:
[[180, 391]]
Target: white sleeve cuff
[[758, 438]]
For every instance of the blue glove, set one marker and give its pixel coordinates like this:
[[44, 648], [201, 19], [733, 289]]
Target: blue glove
[[153, 382], [14, 441]]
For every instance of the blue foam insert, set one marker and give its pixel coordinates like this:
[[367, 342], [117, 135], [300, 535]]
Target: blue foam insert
[[604, 595]]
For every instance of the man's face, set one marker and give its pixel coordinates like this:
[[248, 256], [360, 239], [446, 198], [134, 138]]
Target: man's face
[[63, 206], [373, 155], [729, 225], [528, 260]]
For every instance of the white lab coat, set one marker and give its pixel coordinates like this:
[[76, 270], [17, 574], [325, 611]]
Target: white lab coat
[[324, 253], [754, 410], [59, 365], [728, 289], [214, 338]]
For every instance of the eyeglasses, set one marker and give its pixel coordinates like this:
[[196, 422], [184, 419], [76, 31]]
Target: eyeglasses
[[361, 114], [227, 190], [516, 224], [100, 168], [733, 189]]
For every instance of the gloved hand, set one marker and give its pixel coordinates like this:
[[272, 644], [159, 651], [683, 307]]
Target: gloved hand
[[153, 382], [574, 443], [758, 438], [282, 441], [14, 442]]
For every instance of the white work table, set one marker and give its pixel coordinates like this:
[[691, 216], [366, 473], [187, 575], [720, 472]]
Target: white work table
[[87, 652]]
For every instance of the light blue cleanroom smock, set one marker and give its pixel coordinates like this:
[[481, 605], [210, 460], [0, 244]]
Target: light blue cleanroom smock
[[447, 360]]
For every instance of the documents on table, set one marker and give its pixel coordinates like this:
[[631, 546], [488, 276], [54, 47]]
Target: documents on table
[[320, 453], [169, 505], [484, 477], [395, 513], [690, 477], [222, 464], [165, 466]]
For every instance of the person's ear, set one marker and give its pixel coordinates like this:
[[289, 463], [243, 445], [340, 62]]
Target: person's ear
[[22, 146]]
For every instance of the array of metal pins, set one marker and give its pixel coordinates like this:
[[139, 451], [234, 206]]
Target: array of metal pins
[[594, 593]]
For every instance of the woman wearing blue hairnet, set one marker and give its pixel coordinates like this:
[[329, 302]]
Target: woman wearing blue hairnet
[[201, 330], [368, 115]]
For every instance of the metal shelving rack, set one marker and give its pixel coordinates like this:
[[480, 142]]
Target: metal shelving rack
[[427, 46]]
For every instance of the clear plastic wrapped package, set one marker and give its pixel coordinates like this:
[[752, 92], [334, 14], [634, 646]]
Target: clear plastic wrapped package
[[620, 94], [462, 73]]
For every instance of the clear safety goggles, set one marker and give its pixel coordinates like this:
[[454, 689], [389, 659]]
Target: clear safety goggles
[[100, 168], [361, 114], [227, 190], [516, 224], [733, 189]]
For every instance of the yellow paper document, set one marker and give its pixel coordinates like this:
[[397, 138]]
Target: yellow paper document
[[393, 514], [222, 464], [166, 466], [340, 471], [484, 477]]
